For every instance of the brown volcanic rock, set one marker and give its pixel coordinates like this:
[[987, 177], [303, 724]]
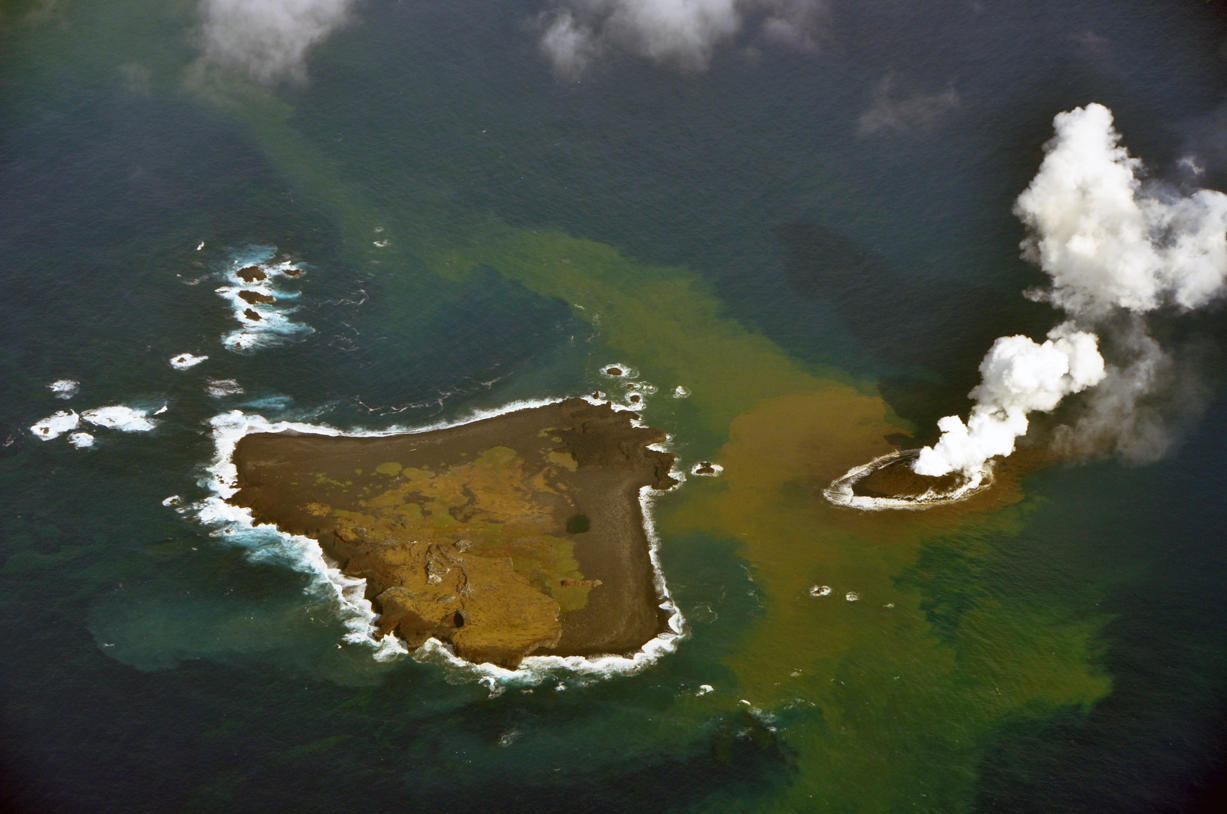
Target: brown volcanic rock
[[251, 274], [896, 479], [507, 536]]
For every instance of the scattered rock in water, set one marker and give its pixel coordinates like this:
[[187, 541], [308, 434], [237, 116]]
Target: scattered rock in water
[[251, 274], [707, 469], [252, 315], [183, 361], [613, 370], [256, 298]]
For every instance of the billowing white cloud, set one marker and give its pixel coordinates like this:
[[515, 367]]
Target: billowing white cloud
[[1019, 376], [681, 33], [1103, 240], [268, 39], [1116, 248], [570, 45]]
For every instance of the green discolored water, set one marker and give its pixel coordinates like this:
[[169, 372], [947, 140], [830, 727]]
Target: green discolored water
[[476, 231]]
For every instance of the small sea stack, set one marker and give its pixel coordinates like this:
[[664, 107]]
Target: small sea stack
[[256, 298], [251, 274]]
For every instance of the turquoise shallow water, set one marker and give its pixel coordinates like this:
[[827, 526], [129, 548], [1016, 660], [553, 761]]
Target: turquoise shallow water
[[735, 231]]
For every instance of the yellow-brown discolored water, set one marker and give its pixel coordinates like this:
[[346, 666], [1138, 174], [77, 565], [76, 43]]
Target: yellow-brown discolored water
[[883, 682], [900, 688], [871, 664]]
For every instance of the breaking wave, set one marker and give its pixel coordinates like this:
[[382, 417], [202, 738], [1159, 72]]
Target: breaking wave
[[842, 491], [237, 525], [260, 300]]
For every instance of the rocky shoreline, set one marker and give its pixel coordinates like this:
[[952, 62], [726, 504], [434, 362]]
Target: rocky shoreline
[[504, 537]]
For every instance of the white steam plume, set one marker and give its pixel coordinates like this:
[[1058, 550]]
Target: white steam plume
[[681, 33], [268, 39], [1020, 376], [1103, 241], [1115, 250]]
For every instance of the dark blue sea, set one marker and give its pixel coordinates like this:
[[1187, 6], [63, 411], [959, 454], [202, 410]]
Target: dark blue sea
[[800, 239]]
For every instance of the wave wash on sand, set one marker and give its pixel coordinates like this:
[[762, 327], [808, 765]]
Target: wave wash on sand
[[842, 491], [241, 525], [1116, 248]]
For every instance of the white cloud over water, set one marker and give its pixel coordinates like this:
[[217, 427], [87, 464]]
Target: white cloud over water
[[683, 34], [1116, 247], [268, 40], [1109, 242], [890, 110]]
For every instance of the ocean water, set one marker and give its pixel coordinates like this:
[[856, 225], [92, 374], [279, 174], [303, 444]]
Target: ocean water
[[816, 244]]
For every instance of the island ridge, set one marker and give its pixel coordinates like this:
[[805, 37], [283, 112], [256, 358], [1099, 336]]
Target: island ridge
[[504, 537]]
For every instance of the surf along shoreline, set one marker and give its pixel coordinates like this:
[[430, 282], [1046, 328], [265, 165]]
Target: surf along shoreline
[[422, 561]]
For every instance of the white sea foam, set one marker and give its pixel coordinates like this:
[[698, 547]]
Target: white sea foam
[[706, 469], [120, 417], [56, 424], [238, 525], [841, 491], [183, 361], [262, 324], [273, 327], [64, 388], [356, 610], [624, 371], [220, 388], [680, 392], [820, 590], [81, 440]]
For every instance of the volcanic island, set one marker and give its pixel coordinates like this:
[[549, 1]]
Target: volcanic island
[[507, 536]]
